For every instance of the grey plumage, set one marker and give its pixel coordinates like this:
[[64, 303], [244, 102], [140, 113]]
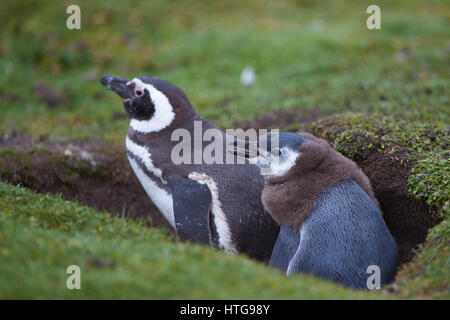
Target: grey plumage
[[344, 235]]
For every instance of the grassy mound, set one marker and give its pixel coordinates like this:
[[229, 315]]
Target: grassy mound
[[41, 235]]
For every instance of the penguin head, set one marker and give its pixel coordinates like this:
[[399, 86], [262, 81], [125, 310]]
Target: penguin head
[[275, 153], [151, 103]]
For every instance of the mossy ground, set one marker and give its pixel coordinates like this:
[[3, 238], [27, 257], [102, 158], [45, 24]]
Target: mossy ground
[[310, 58], [41, 235]]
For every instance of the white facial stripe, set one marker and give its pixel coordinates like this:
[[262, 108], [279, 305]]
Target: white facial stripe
[[160, 197], [163, 115], [220, 220], [143, 154], [280, 167]]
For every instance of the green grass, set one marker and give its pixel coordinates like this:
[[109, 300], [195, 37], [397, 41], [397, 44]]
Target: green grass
[[427, 276], [41, 235], [308, 56]]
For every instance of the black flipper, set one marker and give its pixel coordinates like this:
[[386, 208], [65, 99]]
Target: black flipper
[[191, 207], [285, 248]]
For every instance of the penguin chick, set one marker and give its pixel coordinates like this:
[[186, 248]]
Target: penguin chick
[[331, 223]]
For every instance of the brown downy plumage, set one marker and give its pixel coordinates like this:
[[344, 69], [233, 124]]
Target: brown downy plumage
[[291, 198]]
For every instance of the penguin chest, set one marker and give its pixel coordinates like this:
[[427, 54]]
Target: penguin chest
[[151, 179]]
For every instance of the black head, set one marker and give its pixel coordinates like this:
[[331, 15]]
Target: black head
[[286, 141], [147, 97]]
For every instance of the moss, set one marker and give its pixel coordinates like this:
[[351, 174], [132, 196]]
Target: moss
[[357, 132], [430, 180], [427, 275]]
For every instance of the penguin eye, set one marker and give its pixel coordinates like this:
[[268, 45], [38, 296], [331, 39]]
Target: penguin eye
[[139, 93]]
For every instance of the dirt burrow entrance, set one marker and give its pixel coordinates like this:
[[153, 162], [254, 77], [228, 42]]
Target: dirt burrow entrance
[[96, 174]]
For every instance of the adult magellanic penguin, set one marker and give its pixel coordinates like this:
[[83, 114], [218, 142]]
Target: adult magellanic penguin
[[331, 224], [219, 204]]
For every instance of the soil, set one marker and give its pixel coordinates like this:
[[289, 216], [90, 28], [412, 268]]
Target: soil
[[97, 175]]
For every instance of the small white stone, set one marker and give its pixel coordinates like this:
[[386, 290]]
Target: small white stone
[[248, 76], [88, 157]]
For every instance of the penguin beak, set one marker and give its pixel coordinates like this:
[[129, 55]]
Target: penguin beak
[[115, 83], [246, 149]]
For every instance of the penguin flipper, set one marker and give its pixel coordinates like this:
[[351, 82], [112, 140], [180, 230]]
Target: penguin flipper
[[191, 207], [285, 248]]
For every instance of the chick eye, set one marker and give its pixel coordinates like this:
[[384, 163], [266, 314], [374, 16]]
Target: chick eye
[[276, 152]]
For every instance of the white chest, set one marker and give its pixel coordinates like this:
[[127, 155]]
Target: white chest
[[160, 197]]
